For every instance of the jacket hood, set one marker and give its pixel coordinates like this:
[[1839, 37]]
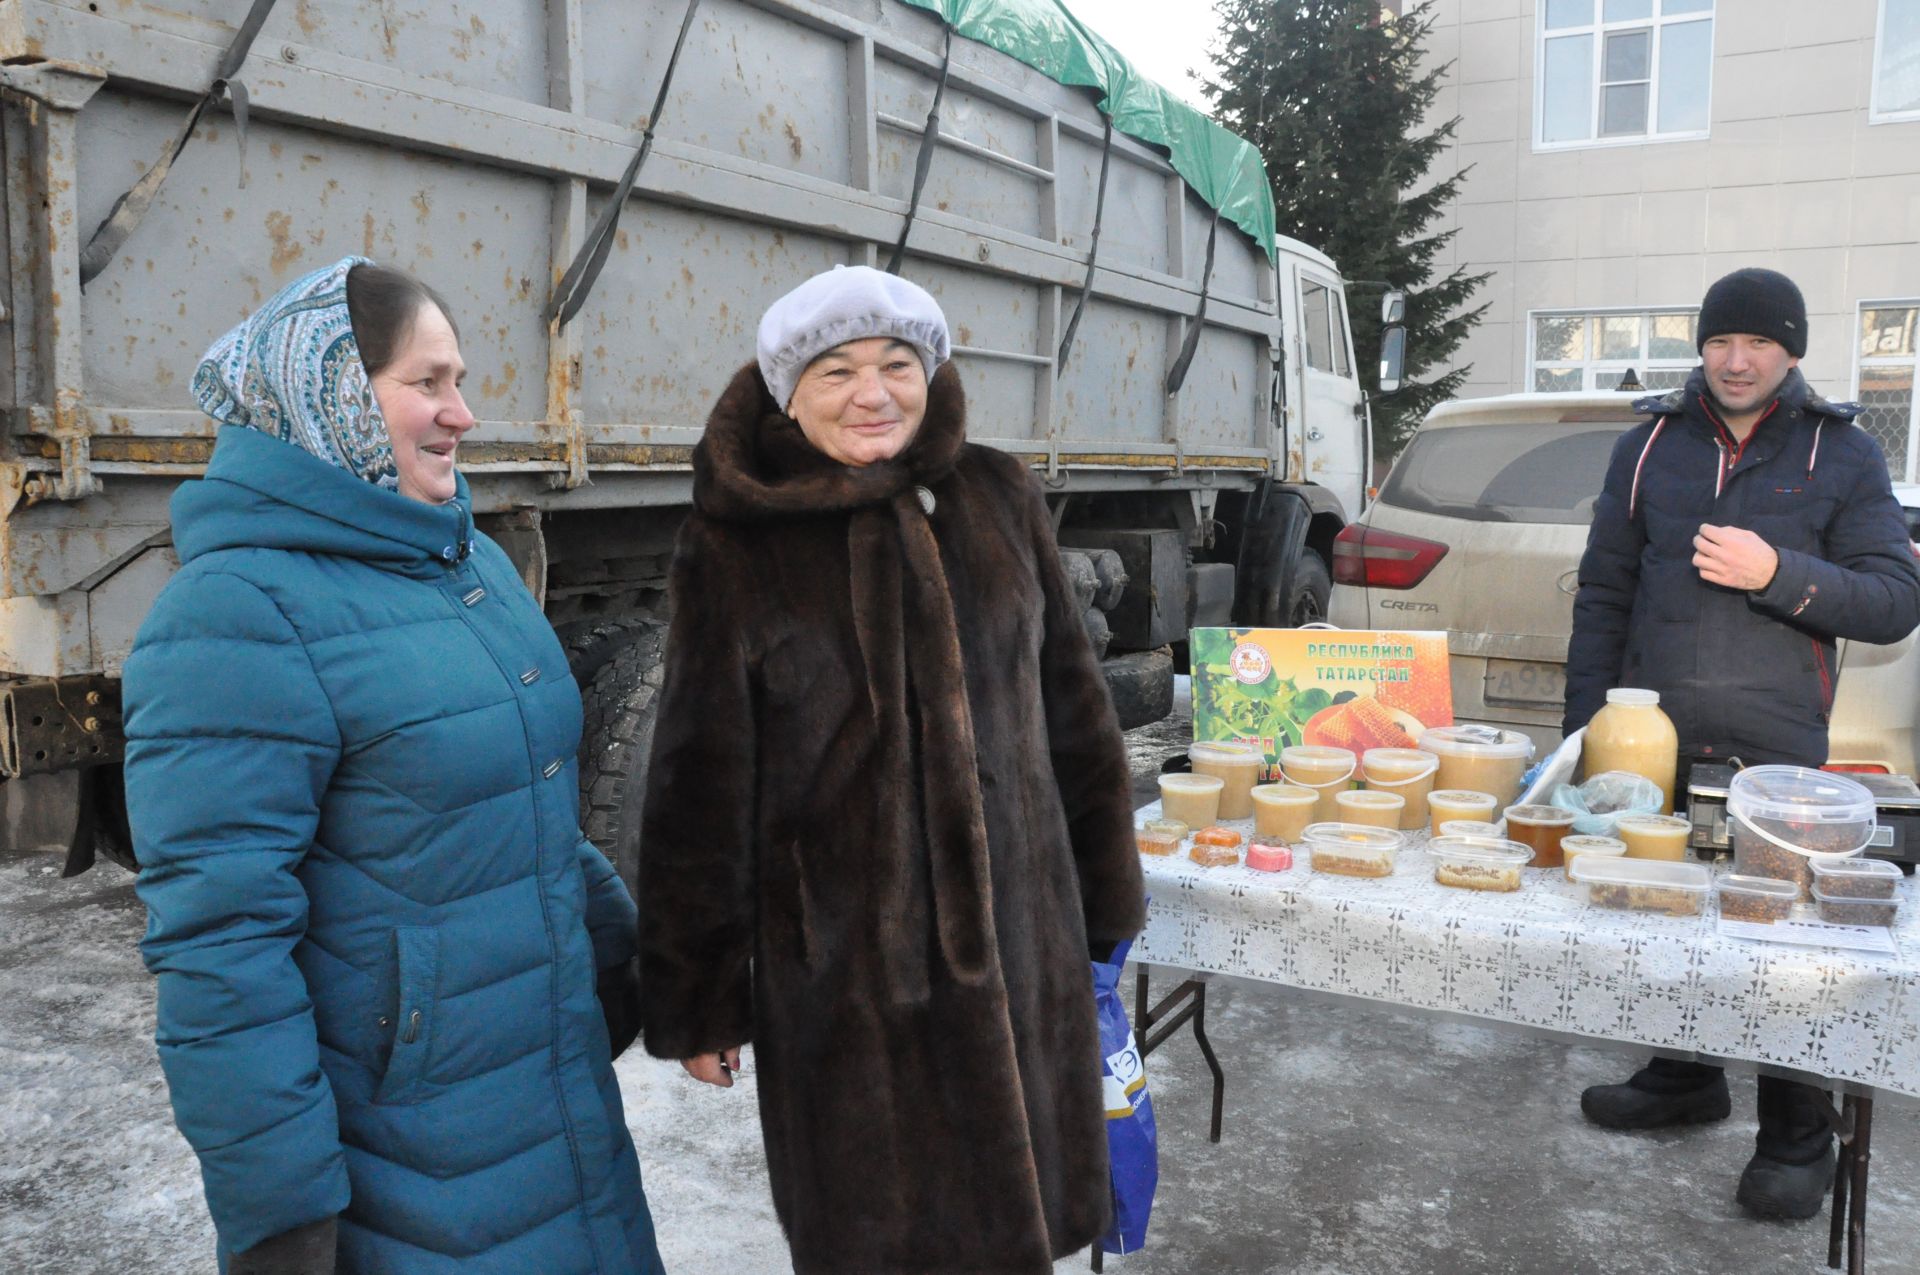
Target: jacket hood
[[1794, 392], [262, 493], [753, 462]]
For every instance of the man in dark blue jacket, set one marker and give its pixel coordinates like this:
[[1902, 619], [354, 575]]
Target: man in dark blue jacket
[[1742, 531]]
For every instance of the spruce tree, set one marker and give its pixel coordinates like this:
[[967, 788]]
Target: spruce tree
[[1333, 94]]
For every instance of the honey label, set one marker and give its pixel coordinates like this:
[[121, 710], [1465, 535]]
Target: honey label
[[1352, 689]]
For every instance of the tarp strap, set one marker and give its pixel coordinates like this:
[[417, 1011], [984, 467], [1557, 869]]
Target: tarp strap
[[924, 164], [132, 206], [1178, 376], [1093, 255], [579, 279]]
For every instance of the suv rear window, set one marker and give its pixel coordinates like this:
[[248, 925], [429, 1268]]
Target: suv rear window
[[1546, 472]]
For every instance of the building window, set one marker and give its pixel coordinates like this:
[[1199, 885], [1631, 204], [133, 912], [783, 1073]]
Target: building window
[[1883, 381], [1896, 62], [1587, 351], [1611, 71]]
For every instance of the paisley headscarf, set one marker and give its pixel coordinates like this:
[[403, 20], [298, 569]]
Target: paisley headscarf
[[292, 369]]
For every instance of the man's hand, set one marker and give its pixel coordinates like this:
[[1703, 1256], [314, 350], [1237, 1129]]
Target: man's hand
[[714, 1069], [1734, 557]]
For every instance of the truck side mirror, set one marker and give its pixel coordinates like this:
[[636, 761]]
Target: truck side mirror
[[1393, 307], [1393, 358]]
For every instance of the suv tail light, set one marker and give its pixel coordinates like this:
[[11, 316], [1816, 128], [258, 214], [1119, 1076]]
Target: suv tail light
[[1383, 559]]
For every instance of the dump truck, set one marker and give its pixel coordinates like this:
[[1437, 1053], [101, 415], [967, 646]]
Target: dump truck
[[609, 195]]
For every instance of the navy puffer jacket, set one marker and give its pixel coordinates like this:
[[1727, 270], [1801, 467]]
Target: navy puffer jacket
[[1741, 674]]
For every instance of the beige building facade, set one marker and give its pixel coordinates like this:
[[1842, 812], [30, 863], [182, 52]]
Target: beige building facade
[[1623, 154]]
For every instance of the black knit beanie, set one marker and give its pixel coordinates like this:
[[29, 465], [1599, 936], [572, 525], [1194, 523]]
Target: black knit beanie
[[1760, 302]]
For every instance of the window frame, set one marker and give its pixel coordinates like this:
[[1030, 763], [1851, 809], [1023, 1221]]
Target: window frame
[[1593, 363], [1862, 360], [1599, 28], [1875, 113]]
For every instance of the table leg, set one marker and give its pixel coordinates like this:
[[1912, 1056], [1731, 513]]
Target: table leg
[[1837, 1224], [1153, 1026], [1862, 1158], [1096, 1257]]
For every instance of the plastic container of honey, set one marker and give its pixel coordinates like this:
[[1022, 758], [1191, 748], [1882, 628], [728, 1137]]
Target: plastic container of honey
[[1365, 805], [1328, 771], [1237, 766], [1583, 843], [1631, 733], [1478, 863], [1353, 850], [1469, 828], [1192, 799], [1447, 804], [1479, 759], [1408, 772], [1283, 811], [1654, 836], [1541, 829]]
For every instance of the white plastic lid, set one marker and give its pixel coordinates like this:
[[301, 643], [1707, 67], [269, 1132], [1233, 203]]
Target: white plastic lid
[[1633, 697], [1470, 828], [1476, 741], [1770, 887], [1224, 751], [1591, 843], [1192, 783], [1463, 799], [1824, 867], [1552, 815], [1307, 754], [1794, 794], [1286, 794], [1491, 852], [1367, 797], [1824, 897], [1602, 870], [1360, 837]]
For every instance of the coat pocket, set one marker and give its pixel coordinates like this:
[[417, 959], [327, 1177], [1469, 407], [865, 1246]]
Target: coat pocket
[[417, 960]]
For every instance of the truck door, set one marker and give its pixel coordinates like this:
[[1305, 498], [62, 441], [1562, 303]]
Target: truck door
[[1335, 423]]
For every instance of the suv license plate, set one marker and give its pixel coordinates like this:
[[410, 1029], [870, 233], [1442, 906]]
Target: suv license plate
[[1536, 684]]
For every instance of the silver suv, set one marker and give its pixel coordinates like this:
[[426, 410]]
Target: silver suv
[[1479, 531]]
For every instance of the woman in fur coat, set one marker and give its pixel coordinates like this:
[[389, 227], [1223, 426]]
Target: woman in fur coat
[[888, 809]]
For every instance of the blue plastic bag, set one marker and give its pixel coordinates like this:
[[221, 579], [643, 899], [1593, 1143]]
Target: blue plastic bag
[[1132, 1147]]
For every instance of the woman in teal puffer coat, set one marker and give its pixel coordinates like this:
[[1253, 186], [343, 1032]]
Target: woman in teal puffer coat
[[376, 926]]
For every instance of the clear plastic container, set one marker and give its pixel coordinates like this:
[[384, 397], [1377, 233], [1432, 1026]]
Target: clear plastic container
[[1631, 733], [1781, 818], [1353, 850], [1156, 841], [1479, 759], [1468, 828], [1478, 863], [1192, 799], [1406, 771], [1364, 805], [1542, 828], [1328, 771], [1855, 878], [1585, 843], [1762, 900], [1283, 811], [1840, 910], [1446, 804], [1237, 766], [1654, 836], [1643, 885]]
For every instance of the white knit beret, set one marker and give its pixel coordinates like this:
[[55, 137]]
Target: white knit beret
[[846, 303]]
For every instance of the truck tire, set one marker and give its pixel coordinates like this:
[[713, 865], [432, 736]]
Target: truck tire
[[620, 705], [1141, 683], [591, 643], [1312, 587]]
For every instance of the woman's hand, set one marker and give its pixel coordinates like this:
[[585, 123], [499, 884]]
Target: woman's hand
[[714, 1069]]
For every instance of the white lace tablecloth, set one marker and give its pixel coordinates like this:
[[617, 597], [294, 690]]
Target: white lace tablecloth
[[1541, 958]]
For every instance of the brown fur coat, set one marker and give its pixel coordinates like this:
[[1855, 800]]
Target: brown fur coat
[[901, 931]]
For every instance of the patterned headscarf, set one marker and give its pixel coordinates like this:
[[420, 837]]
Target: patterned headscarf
[[292, 369]]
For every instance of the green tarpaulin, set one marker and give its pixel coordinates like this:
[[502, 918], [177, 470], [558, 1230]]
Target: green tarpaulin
[[1223, 169]]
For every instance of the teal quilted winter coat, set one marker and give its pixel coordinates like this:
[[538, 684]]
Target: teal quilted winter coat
[[374, 921]]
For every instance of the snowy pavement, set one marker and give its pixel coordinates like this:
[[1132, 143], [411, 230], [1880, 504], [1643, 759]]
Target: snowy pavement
[[1358, 1141]]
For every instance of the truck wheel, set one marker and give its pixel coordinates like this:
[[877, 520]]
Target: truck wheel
[[591, 643], [1141, 684], [1312, 586], [620, 704]]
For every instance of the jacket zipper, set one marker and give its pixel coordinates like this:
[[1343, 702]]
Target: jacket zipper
[[1826, 682]]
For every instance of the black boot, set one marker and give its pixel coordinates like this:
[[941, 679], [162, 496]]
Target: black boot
[[1772, 1189], [1660, 1094]]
